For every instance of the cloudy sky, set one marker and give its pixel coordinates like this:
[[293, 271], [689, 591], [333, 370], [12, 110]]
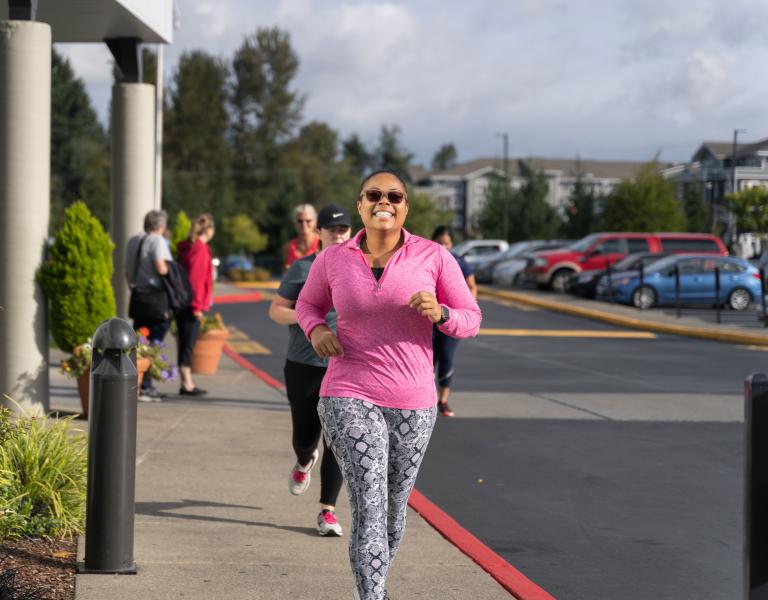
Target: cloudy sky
[[609, 79]]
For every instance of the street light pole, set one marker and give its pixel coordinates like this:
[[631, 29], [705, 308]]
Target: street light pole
[[731, 220], [505, 166]]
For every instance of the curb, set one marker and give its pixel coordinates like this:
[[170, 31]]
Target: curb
[[497, 567], [732, 337]]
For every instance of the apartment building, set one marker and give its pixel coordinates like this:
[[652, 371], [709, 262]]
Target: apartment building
[[462, 188]]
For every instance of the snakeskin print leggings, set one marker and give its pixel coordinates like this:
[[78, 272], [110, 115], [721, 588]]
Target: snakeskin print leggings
[[379, 451]]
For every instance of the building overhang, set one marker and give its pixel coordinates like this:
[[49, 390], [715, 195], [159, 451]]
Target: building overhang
[[83, 21]]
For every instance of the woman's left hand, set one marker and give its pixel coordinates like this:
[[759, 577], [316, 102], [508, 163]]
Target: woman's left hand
[[426, 304]]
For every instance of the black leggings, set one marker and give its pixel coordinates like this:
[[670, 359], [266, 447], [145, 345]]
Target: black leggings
[[443, 349], [302, 385], [188, 326]]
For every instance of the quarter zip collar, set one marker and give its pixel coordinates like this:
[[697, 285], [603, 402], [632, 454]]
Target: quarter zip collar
[[355, 242]]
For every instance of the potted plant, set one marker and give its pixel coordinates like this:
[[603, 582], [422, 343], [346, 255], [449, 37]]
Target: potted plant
[[209, 345], [151, 357], [77, 281]]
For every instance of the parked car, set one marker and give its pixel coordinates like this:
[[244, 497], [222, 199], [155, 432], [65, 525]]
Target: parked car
[[739, 282], [584, 284], [236, 262], [516, 253], [553, 268], [509, 271], [474, 251]]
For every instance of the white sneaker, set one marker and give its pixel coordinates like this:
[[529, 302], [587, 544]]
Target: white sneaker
[[327, 525], [298, 480]]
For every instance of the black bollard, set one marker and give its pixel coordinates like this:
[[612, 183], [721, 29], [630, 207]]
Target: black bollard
[[642, 281], [677, 290], [609, 276], [763, 308], [756, 487], [111, 450], [717, 294]]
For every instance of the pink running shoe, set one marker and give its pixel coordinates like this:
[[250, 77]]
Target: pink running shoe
[[298, 480], [327, 525]]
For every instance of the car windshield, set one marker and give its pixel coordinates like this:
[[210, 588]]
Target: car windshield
[[633, 261], [516, 249], [584, 243]]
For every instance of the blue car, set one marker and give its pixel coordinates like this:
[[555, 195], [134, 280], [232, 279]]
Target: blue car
[[739, 282]]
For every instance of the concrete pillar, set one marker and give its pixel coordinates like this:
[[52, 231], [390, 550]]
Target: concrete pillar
[[133, 172], [25, 156]]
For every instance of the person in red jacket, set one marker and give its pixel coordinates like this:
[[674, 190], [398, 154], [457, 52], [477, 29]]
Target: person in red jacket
[[195, 257]]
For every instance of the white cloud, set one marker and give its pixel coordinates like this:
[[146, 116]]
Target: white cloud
[[609, 78]]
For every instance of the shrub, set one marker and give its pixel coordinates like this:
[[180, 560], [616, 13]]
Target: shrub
[[180, 230], [77, 278], [43, 467]]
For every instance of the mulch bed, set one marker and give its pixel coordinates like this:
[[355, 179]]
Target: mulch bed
[[38, 569]]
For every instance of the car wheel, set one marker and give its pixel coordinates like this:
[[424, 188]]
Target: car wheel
[[559, 280], [739, 299], [644, 297]]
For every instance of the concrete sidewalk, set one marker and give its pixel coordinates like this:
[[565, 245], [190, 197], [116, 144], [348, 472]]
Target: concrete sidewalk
[[215, 520]]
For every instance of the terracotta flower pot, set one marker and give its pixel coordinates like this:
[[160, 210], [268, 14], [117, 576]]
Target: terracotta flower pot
[[83, 388], [142, 366], [207, 351]]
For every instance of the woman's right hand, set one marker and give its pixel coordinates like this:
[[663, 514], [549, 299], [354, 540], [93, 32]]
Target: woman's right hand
[[325, 342]]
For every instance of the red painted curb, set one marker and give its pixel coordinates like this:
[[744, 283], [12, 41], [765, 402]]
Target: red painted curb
[[510, 578], [238, 298], [247, 364]]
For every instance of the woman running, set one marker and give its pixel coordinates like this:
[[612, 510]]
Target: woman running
[[444, 346], [304, 371], [377, 401]]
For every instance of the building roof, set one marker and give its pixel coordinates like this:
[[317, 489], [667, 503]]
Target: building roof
[[96, 20], [599, 169], [723, 150]]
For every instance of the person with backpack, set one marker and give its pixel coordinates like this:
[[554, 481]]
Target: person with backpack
[[147, 260], [195, 256]]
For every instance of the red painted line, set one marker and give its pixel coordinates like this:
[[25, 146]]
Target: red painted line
[[510, 578], [238, 298], [247, 364]]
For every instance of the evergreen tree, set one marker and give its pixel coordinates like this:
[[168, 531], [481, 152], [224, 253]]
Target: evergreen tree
[[696, 210], [197, 155], [77, 279], [750, 206], [266, 113], [445, 158], [80, 160], [529, 214], [646, 204], [390, 155], [356, 156], [580, 212]]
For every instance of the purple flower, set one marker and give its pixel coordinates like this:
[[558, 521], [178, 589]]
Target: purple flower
[[165, 374], [164, 357]]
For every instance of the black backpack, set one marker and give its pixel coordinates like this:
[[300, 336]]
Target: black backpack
[[177, 286]]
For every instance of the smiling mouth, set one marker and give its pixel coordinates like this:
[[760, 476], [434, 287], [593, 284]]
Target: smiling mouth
[[384, 214]]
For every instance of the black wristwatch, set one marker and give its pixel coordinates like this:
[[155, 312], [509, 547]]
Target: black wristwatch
[[446, 314]]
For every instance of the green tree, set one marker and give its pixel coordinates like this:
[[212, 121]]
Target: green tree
[[647, 203], [197, 155], [530, 216], [696, 210], [266, 113], [424, 215], [750, 207], [580, 211], [445, 158], [77, 278], [79, 152], [390, 154], [356, 156], [244, 234], [180, 230]]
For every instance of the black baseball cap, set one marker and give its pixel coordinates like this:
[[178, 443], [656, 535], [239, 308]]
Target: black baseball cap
[[333, 215]]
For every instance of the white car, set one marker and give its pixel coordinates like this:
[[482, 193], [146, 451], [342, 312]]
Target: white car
[[474, 251]]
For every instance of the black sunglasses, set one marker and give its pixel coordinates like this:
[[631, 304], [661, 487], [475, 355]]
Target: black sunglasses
[[393, 196]]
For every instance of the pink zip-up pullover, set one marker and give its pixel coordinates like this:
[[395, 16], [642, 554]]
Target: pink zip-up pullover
[[387, 344]]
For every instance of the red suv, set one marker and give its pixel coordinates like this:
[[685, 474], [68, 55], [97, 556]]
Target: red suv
[[553, 268]]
